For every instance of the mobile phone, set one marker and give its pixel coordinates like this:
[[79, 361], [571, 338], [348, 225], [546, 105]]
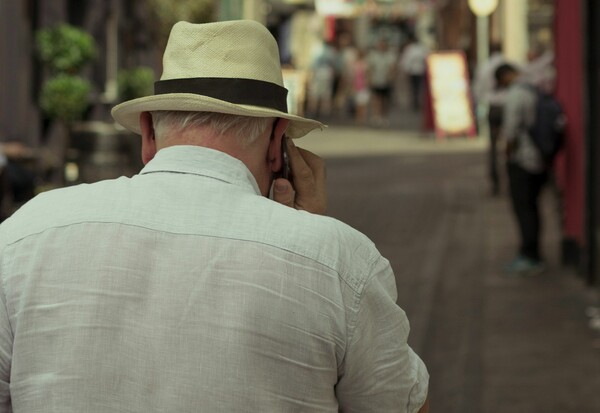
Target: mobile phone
[[285, 171]]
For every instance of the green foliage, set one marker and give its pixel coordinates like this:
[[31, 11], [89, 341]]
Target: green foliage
[[65, 48], [135, 83], [169, 12], [65, 97]]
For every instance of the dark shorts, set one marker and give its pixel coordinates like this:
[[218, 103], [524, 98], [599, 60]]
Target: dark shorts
[[383, 92]]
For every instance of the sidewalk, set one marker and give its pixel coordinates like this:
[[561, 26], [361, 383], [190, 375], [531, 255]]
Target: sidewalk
[[540, 355], [492, 344], [344, 141]]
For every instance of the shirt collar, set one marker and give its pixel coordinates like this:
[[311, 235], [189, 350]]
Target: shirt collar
[[198, 160]]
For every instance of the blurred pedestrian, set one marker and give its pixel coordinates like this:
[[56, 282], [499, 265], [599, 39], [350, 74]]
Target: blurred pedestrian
[[414, 64], [361, 92], [185, 288], [381, 64], [347, 54], [540, 70], [527, 171], [323, 70], [488, 93], [17, 181]]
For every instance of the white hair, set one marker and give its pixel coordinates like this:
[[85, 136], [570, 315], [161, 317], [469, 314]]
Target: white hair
[[244, 128]]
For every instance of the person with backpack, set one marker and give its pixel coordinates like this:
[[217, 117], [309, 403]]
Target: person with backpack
[[532, 130]]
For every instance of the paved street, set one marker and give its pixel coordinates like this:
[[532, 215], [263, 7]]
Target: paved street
[[492, 344]]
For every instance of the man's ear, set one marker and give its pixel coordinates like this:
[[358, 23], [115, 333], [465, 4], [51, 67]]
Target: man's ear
[[148, 141], [275, 144]]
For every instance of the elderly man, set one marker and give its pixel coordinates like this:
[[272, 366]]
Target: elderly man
[[185, 288]]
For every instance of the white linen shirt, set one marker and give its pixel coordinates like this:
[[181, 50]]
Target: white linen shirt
[[182, 289]]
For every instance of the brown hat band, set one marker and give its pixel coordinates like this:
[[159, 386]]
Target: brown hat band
[[239, 91]]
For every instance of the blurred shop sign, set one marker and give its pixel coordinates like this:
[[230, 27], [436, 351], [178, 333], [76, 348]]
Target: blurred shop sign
[[448, 82], [340, 8]]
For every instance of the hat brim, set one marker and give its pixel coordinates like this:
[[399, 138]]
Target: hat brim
[[128, 113]]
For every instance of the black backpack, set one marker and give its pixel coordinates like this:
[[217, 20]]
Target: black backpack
[[548, 129]]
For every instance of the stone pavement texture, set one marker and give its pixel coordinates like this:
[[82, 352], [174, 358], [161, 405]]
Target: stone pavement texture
[[492, 344]]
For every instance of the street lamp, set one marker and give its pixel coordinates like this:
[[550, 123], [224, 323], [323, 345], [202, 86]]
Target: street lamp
[[482, 9]]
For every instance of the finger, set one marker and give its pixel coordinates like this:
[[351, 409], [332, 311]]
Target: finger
[[283, 192], [317, 167], [294, 156], [311, 191], [318, 184], [308, 172], [302, 173]]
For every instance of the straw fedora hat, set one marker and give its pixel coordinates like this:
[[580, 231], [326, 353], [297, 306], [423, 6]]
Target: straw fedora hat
[[227, 67]]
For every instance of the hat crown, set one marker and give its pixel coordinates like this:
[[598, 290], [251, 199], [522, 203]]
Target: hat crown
[[226, 67], [242, 49]]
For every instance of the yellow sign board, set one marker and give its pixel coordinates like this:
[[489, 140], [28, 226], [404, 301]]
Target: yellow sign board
[[450, 94]]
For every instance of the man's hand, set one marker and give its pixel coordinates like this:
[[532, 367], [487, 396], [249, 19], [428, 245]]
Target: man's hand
[[308, 172]]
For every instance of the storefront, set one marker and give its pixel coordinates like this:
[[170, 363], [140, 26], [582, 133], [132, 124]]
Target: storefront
[[571, 163], [578, 88]]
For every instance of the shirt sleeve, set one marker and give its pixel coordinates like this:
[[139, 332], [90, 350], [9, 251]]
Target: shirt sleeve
[[381, 373], [6, 340]]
